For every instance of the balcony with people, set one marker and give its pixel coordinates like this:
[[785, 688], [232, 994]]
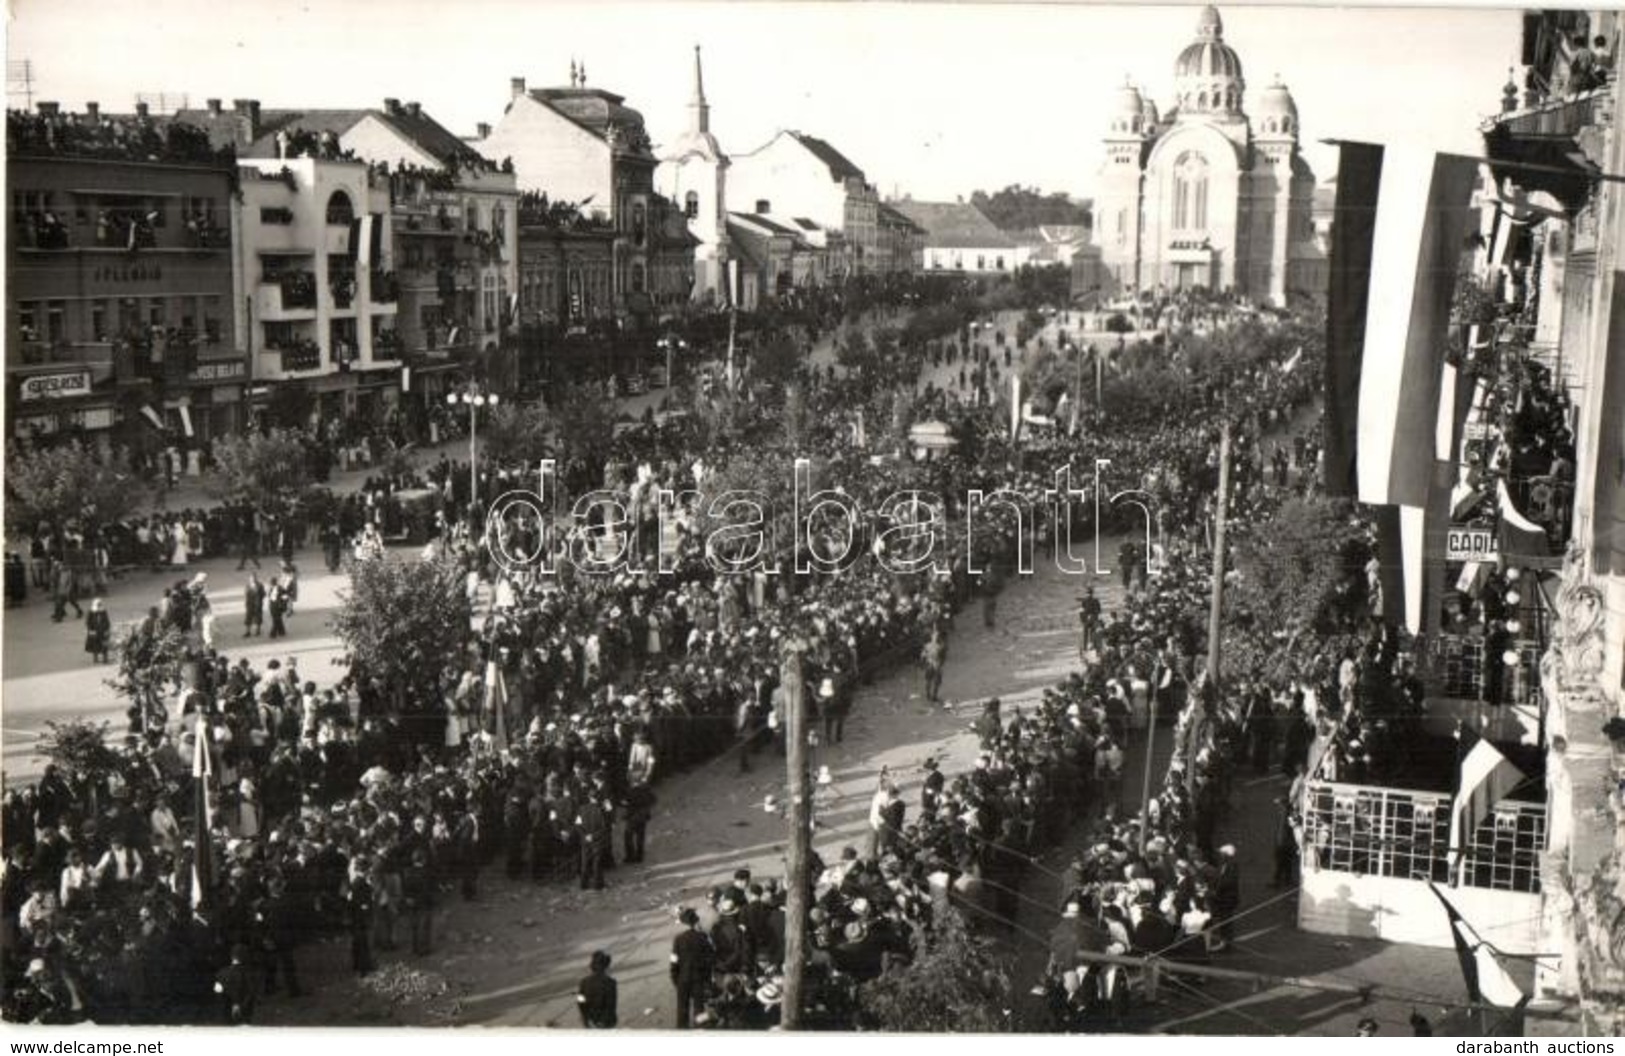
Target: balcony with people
[[51, 132], [288, 293]]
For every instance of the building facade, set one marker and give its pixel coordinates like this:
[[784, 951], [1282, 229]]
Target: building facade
[[313, 264], [1561, 265], [123, 328], [804, 177], [1204, 195], [585, 146]]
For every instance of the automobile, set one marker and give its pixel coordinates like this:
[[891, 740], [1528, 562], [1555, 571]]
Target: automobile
[[636, 385], [657, 378]]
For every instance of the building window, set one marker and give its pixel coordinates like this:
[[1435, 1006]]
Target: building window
[[981, 262], [98, 323], [275, 214], [691, 204], [1190, 192], [471, 215], [999, 263], [339, 209], [56, 322]]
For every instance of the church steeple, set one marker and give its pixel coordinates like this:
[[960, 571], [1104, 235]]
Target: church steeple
[[699, 111]]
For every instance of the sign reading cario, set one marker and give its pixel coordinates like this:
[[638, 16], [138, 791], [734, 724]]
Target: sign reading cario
[[55, 386], [1471, 544]]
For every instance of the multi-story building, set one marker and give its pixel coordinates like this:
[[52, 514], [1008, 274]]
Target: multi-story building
[[453, 227], [313, 263], [122, 324], [900, 242], [798, 175], [585, 146], [1561, 267], [566, 286], [777, 256]]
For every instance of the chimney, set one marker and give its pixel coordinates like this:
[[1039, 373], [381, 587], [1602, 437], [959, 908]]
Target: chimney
[[415, 109], [49, 109], [93, 111], [140, 109], [392, 106], [214, 107], [763, 206], [483, 129], [248, 118], [518, 86]]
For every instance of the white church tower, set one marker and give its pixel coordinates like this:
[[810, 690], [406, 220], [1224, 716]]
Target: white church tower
[[693, 173]]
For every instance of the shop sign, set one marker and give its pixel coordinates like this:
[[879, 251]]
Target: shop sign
[[228, 370], [45, 424], [55, 386], [128, 273], [1471, 544]]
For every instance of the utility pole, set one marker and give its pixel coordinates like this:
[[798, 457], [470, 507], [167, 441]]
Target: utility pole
[[797, 881], [1216, 606]]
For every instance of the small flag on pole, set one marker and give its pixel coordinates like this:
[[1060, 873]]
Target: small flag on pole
[[202, 817]]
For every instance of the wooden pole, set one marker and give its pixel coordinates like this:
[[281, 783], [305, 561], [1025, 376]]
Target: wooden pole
[[797, 880], [1216, 606]]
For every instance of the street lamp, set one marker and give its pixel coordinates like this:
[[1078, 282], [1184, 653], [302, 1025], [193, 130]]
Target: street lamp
[[473, 399], [669, 344]]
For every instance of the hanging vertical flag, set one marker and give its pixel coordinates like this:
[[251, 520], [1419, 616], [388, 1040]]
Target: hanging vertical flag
[[1292, 364], [202, 816], [1487, 777], [152, 417], [353, 249], [1402, 216], [496, 704], [1482, 967], [1608, 500], [406, 379], [1015, 408], [186, 420]]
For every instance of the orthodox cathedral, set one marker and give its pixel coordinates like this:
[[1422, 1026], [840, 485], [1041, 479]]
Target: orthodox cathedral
[[1205, 195]]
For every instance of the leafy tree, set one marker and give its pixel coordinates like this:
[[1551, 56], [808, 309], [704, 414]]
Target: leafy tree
[[516, 432], [585, 424], [78, 748], [57, 484], [1293, 576], [954, 985], [291, 405], [404, 622], [1017, 208], [775, 360], [267, 468]]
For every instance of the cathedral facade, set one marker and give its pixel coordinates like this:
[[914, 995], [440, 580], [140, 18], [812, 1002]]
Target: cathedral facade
[[1205, 195]]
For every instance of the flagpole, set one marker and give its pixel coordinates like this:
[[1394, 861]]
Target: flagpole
[[1216, 603]]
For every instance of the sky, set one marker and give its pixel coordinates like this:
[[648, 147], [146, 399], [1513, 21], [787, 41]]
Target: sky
[[934, 100]]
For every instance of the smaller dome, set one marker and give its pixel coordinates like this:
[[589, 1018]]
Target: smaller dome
[[1148, 110], [1128, 102], [1209, 26], [1208, 58], [1277, 102]]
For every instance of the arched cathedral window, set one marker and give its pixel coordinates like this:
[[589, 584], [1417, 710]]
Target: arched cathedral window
[[1190, 192]]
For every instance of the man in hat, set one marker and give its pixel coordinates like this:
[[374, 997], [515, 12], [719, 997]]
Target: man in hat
[[595, 827], [931, 658], [734, 945], [1226, 895], [692, 960], [931, 791], [597, 996], [236, 986], [1088, 620]]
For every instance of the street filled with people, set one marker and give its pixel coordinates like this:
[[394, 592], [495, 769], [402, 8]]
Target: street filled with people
[[252, 811]]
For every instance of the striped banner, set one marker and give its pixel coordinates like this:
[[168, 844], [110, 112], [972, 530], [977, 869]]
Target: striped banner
[[1423, 214]]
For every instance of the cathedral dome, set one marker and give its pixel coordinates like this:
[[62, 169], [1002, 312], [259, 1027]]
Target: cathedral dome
[[1276, 113], [1208, 72]]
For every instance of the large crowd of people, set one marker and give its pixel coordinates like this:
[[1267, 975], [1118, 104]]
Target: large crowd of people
[[353, 809]]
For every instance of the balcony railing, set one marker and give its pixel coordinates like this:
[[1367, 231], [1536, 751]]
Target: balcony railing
[[60, 353], [1565, 116], [299, 355], [298, 290], [1463, 671]]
